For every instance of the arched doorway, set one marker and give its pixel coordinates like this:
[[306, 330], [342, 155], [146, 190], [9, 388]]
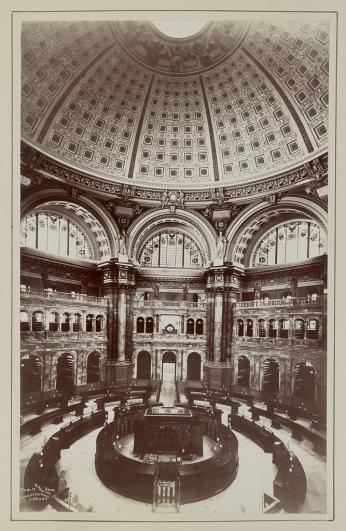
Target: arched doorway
[[304, 382], [65, 374], [270, 383], [168, 367], [30, 374], [243, 371], [93, 368], [143, 365], [193, 366]]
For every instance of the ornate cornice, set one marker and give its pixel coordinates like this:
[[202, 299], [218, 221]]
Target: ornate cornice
[[36, 165]]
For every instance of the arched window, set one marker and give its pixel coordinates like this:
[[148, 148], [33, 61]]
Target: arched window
[[54, 233], [149, 325], [65, 322], [93, 368], [304, 382], [65, 374], [89, 322], [243, 378], [199, 327], [283, 328], [273, 328], [249, 327], [299, 329], [53, 322], [289, 242], [190, 326], [171, 249], [140, 325], [37, 321], [24, 321], [312, 329], [270, 382], [99, 323], [240, 327], [30, 374], [77, 322], [261, 328]]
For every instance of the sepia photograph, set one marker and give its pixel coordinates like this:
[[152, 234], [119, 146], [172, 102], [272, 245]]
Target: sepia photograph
[[175, 297]]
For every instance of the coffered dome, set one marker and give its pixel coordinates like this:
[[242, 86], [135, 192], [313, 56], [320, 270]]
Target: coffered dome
[[235, 103]]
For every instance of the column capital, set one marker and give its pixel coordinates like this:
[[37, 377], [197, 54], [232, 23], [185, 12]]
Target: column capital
[[114, 273]]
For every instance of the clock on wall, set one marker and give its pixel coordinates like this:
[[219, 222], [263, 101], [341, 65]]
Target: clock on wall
[[169, 329]]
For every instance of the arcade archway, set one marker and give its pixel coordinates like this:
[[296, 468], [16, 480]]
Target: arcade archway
[[65, 374], [193, 366], [304, 382], [271, 378], [93, 367], [243, 378], [30, 374], [143, 365]]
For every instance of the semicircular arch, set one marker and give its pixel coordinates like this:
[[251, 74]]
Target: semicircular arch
[[192, 224], [247, 227], [89, 214]]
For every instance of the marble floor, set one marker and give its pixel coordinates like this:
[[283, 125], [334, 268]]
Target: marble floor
[[243, 497]]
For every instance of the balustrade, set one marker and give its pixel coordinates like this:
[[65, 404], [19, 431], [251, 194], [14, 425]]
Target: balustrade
[[169, 304], [289, 301], [27, 292]]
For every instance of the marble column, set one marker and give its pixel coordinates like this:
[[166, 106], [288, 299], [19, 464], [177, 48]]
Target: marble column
[[121, 324], [129, 323], [209, 325], [112, 329], [217, 343]]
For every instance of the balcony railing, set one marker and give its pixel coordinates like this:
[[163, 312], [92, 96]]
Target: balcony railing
[[160, 337], [60, 295], [47, 335], [293, 301], [169, 304]]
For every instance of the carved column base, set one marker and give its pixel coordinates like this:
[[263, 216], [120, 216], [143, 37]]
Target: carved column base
[[118, 374], [218, 376]]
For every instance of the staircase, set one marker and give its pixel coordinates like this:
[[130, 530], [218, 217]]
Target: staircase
[[166, 491]]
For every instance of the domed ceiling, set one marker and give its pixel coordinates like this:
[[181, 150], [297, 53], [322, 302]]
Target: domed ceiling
[[236, 102]]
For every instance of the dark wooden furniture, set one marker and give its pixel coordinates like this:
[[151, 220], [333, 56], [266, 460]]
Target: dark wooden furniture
[[41, 479], [198, 481], [299, 432], [56, 416]]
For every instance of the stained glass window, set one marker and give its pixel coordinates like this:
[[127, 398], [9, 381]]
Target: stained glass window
[[55, 234], [289, 242], [171, 249]]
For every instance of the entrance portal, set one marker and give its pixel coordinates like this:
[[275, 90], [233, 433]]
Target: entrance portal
[[168, 367], [168, 394]]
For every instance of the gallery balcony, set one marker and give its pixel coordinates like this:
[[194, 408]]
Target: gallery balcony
[[50, 294], [159, 337], [277, 342], [174, 305], [294, 302], [62, 337]]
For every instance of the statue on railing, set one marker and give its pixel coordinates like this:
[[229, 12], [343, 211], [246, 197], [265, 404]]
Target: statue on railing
[[122, 255], [220, 249]]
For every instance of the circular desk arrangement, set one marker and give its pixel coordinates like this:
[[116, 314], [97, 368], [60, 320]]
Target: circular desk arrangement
[[135, 478]]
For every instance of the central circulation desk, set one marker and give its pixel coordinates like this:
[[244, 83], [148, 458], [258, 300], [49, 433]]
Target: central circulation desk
[[168, 430]]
